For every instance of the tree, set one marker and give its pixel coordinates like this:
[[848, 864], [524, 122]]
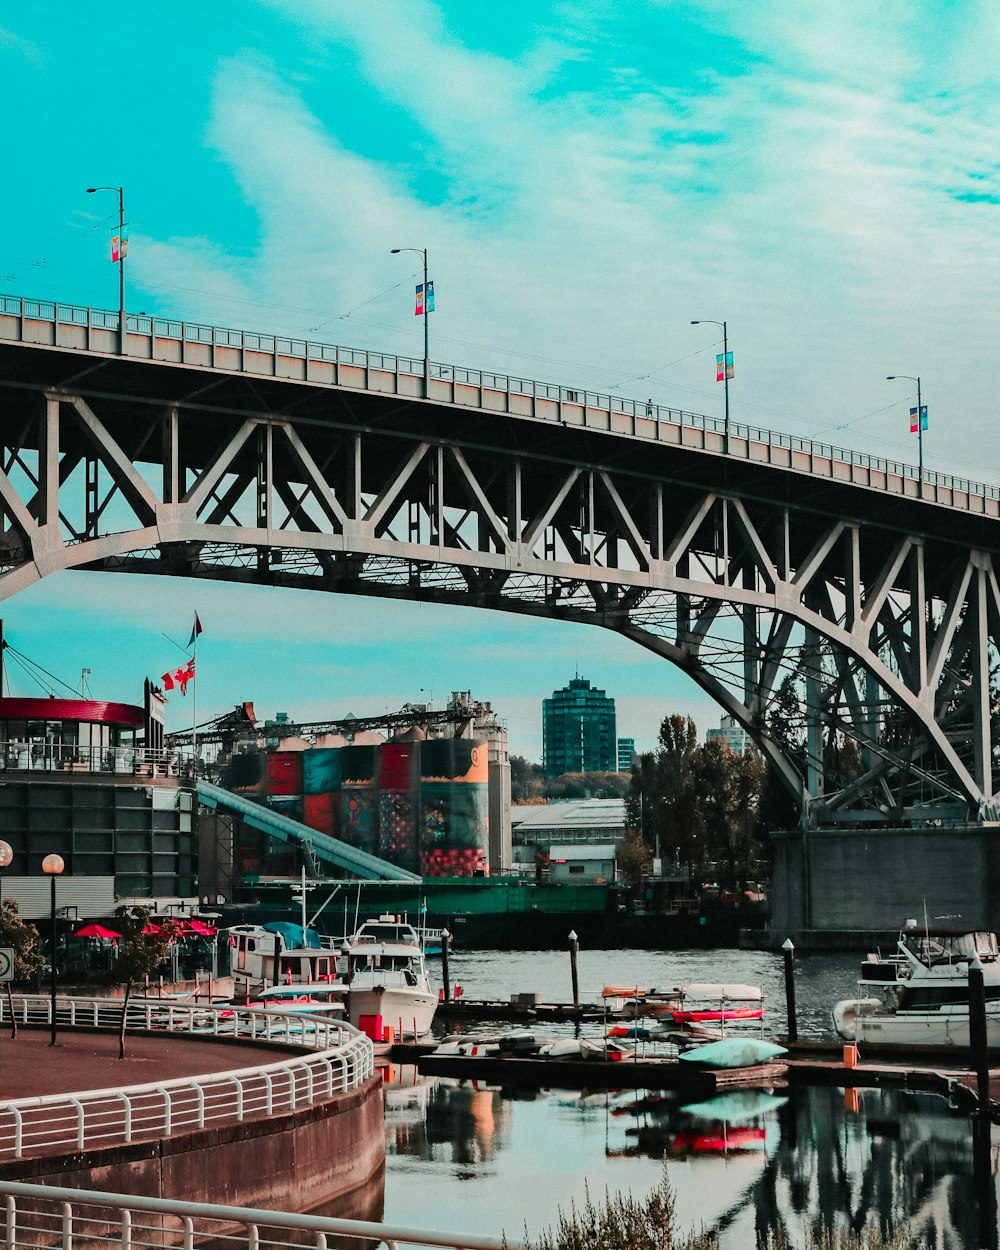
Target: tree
[[632, 855], [22, 938], [143, 949], [525, 780]]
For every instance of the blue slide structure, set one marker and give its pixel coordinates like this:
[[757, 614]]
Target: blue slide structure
[[314, 845]]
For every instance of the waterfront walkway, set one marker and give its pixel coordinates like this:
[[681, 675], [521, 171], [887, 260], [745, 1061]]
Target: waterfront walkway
[[31, 1068]]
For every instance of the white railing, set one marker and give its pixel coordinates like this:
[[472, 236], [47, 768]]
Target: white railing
[[642, 418], [337, 1058], [48, 1215]]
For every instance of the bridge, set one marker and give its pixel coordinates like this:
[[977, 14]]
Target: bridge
[[821, 596]]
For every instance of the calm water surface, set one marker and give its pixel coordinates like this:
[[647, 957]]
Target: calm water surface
[[475, 1158]]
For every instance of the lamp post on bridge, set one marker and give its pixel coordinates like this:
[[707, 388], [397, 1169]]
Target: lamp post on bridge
[[920, 427], [122, 248], [724, 375], [422, 251]]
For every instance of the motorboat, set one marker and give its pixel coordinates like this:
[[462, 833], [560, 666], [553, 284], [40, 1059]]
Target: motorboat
[[279, 953], [387, 982], [919, 995]]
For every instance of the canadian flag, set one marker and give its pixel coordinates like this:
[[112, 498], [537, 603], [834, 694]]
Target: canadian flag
[[179, 677]]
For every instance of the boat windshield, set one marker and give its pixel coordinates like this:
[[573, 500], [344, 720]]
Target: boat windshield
[[948, 948]]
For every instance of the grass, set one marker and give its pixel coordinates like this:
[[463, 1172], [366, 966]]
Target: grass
[[622, 1222]]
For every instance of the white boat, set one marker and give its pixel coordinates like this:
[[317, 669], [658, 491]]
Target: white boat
[[919, 996], [387, 981], [279, 954]]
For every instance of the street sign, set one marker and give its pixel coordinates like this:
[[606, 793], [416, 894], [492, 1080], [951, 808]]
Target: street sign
[[6, 963]]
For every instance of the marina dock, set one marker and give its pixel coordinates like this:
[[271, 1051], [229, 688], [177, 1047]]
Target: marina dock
[[807, 1063]]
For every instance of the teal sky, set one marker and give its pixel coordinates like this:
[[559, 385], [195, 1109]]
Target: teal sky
[[588, 178]]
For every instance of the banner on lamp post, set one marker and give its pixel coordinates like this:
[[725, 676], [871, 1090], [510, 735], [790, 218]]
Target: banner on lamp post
[[918, 419], [723, 366]]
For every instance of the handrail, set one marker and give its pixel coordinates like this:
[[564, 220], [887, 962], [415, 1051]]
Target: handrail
[[337, 1058], [54, 1210], [655, 415]]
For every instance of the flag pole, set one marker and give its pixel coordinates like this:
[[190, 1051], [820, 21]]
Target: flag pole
[[194, 707]]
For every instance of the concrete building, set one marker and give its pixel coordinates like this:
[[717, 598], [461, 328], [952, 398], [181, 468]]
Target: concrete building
[[732, 734], [579, 863], [578, 730]]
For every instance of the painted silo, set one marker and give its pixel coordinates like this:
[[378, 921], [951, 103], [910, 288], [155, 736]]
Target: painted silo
[[454, 822]]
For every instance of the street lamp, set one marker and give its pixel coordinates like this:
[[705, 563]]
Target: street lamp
[[120, 192], [52, 866], [725, 373], [422, 251], [896, 377]]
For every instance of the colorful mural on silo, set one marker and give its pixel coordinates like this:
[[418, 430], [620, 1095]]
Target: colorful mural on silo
[[398, 776], [454, 828], [358, 809], [321, 780], [419, 804]]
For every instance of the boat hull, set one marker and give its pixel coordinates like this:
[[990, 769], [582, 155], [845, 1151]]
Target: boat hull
[[408, 1012], [861, 1021]]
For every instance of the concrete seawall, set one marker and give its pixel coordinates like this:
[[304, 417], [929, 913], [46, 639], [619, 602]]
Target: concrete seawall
[[325, 1155]]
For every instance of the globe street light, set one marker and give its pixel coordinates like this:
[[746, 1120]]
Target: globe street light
[[52, 866], [725, 374], [422, 251], [896, 377], [120, 192]]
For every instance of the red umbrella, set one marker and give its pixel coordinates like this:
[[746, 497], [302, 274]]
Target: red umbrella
[[96, 931], [150, 927], [194, 925]]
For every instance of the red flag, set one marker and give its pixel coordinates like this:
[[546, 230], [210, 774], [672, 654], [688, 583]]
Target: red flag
[[179, 677], [195, 630], [183, 675]]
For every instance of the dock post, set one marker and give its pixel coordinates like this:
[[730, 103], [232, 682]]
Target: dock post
[[977, 1035], [445, 943], [788, 948], [979, 1047], [574, 948]]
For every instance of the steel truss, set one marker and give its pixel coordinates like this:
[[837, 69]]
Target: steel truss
[[813, 628]]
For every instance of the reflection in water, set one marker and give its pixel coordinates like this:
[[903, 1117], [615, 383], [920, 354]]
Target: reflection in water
[[738, 1163]]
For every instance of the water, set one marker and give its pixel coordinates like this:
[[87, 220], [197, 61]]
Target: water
[[475, 1158]]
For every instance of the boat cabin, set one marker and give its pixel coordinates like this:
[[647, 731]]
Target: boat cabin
[[259, 955]]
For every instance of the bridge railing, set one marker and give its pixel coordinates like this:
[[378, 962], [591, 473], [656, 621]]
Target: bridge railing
[[78, 1219], [638, 410], [336, 1058]]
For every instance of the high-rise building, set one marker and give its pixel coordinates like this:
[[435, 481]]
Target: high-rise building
[[626, 750], [578, 730]]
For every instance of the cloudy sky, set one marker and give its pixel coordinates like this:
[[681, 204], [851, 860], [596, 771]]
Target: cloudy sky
[[588, 177]]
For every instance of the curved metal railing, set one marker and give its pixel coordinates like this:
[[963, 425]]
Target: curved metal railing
[[46, 1215], [336, 1058], [644, 418]]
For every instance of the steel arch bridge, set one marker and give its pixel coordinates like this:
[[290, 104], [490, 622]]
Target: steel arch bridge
[[820, 596]]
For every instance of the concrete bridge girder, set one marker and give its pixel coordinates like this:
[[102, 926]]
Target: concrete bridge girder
[[888, 646]]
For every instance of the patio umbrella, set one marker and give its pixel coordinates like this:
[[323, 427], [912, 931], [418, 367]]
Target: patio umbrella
[[149, 927], [96, 931], [194, 925]]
